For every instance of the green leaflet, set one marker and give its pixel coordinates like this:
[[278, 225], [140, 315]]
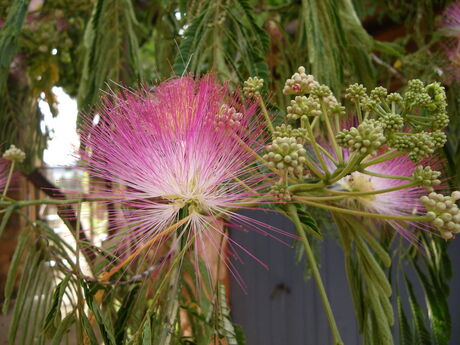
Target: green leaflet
[[420, 332], [335, 40], [111, 49], [405, 333], [14, 268], [226, 328], [147, 333], [224, 39], [368, 281], [103, 322], [63, 327], [123, 314], [6, 216], [88, 330], [9, 38]]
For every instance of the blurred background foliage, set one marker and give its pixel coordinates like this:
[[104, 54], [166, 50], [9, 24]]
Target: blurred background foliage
[[88, 47]]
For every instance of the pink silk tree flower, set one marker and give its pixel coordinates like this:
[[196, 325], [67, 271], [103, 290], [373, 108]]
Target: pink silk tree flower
[[450, 27], [182, 147]]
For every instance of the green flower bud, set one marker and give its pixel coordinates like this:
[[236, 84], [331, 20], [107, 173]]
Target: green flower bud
[[356, 93], [300, 83], [419, 145], [14, 154], [426, 177], [391, 122], [300, 134], [286, 154], [337, 109], [439, 139], [395, 97], [252, 86], [227, 117], [323, 92], [281, 192], [302, 105], [379, 93], [442, 212], [415, 86], [369, 104], [366, 139]]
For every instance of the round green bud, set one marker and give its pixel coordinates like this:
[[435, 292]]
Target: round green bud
[[379, 93], [14, 154], [395, 97], [366, 139], [356, 93], [303, 106], [252, 86], [286, 153], [300, 83]]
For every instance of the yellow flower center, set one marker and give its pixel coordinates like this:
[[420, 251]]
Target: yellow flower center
[[357, 182]]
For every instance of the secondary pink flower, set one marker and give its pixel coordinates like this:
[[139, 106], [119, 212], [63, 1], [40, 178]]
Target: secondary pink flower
[[4, 169], [400, 202], [450, 23], [450, 27], [174, 149]]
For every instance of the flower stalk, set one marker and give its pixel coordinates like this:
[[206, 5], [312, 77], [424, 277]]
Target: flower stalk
[[314, 266], [8, 178]]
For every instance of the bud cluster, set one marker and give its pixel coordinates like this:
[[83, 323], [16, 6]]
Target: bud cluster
[[324, 93], [443, 213], [426, 177], [288, 131], [286, 153], [356, 93], [303, 106], [379, 93], [281, 192], [365, 139], [429, 101], [419, 145], [395, 98], [391, 122], [14, 154], [300, 83], [227, 117], [252, 87]]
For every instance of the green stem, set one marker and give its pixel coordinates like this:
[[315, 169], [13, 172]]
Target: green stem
[[315, 146], [301, 197], [382, 158], [351, 166], [172, 305], [371, 173], [314, 122], [358, 111], [304, 187], [24, 203], [314, 169], [373, 192], [266, 115], [314, 267], [336, 163], [8, 179], [364, 214], [338, 150]]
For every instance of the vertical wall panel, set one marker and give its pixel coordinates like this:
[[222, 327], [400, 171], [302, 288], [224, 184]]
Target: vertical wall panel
[[281, 308]]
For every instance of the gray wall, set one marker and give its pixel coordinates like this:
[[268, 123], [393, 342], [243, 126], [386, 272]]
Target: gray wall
[[280, 308]]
